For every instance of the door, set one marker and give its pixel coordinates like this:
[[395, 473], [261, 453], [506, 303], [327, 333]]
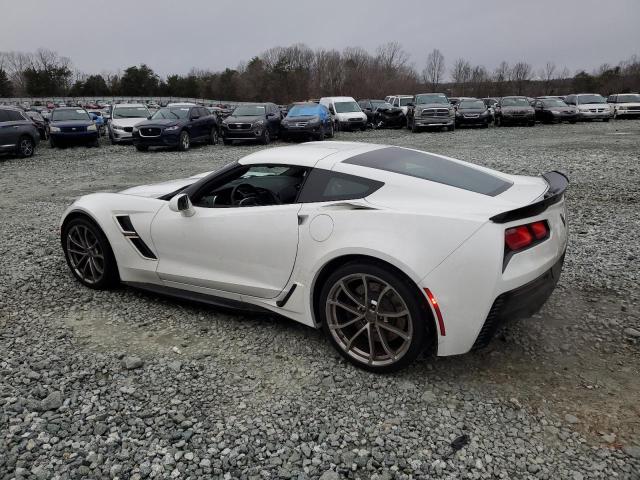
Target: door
[[246, 250]]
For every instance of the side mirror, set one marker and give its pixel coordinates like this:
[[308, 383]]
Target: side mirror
[[181, 203], [271, 115]]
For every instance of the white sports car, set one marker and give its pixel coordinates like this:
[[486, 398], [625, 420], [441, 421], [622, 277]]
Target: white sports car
[[392, 251]]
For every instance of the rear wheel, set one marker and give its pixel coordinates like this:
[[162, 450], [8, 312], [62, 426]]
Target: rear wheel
[[26, 147], [89, 254], [373, 316], [185, 141]]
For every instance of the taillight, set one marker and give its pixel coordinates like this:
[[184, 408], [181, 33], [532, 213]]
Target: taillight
[[523, 236]]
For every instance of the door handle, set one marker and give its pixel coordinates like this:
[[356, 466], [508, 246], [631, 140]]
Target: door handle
[[302, 218]]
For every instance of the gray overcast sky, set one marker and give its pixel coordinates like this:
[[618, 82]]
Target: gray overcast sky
[[173, 36]]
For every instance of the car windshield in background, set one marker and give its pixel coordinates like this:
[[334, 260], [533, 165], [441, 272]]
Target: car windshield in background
[[377, 105], [249, 111], [630, 98], [424, 99], [515, 102], [433, 168], [171, 113], [405, 101], [582, 99], [346, 107], [472, 104], [61, 115], [130, 112], [553, 102], [304, 111]]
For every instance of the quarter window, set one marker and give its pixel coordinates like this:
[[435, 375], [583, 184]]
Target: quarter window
[[326, 186]]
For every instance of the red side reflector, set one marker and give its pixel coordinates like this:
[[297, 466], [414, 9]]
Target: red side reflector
[[436, 308], [518, 238], [539, 230]]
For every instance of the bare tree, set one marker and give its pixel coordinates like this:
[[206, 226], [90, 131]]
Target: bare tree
[[547, 74], [461, 74], [521, 73], [433, 73]]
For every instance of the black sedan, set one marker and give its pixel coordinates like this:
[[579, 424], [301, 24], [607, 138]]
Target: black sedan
[[514, 111], [176, 126], [72, 124], [472, 112], [381, 114], [554, 110]]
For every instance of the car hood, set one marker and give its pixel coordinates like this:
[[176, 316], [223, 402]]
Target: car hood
[[160, 122], [156, 190], [251, 119], [128, 122], [71, 123]]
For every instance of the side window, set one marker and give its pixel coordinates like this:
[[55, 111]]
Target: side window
[[326, 186], [396, 102], [3, 116], [13, 116], [204, 112], [253, 186]]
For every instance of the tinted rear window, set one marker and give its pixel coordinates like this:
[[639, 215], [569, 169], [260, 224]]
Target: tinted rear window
[[432, 168]]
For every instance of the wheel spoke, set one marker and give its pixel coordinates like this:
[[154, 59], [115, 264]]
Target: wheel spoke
[[384, 343], [338, 326], [395, 330], [366, 290], [350, 295], [97, 267], [78, 261], [382, 294], [394, 314], [345, 307], [372, 349], [358, 333], [77, 252]]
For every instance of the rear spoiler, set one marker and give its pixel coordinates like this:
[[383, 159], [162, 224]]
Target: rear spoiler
[[558, 183]]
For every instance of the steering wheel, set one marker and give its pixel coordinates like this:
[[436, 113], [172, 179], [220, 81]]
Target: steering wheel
[[244, 194]]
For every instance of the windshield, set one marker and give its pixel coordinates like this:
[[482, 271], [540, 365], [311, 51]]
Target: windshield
[[582, 99], [347, 107], [515, 102], [58, 115], [553, 102], [632, 97], [171, 113], [303, 111], [249, 111], [405, 101], [431, 98], [472, 104], [377, 105], [130, 112]]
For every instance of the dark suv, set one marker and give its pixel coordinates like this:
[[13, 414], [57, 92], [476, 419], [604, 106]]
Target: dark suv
[[176, 125], [17, 134], [255, 121], [515, 110]]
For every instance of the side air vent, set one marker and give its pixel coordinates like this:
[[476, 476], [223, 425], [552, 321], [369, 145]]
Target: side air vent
[[129, 231]]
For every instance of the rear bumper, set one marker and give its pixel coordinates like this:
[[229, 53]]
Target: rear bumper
[[521, 302]]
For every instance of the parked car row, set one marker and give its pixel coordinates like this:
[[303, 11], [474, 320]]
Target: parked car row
[[180, 125]]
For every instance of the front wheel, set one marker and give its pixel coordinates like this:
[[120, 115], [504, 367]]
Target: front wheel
[[185, 141], [414, 128], [266, 137], [374, 317], [213, 137], [89, 254], [26, 147], [331, 131]]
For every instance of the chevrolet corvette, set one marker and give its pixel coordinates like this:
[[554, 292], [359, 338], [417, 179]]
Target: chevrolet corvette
[[393, 252]]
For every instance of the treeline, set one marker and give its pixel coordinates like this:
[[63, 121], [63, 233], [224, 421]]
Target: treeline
[[284, 74]]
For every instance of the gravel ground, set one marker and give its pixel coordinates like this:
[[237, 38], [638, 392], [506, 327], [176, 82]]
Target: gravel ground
[[125, 384]]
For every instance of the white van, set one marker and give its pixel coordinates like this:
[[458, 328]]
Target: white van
[[346, 111]]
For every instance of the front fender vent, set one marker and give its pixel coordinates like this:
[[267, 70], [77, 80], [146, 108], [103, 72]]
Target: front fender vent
[[128, 230]]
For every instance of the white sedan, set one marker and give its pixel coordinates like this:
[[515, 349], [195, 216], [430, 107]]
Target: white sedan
[[392, 251]]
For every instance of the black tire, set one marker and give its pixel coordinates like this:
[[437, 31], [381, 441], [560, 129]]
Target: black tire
[[419, 337], [320, 136], [184, 142], [52, 142], [109, 277], [142, 148], [95, 143], [26, 146], [452, 127], [414, 128], [266, 137], [214, 138], [498, 122], [332, 132]]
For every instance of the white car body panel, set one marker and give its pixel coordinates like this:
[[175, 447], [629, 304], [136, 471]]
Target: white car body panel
[[439, 236]]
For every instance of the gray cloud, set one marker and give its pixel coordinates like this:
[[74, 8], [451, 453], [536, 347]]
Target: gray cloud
[[174, 36]]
